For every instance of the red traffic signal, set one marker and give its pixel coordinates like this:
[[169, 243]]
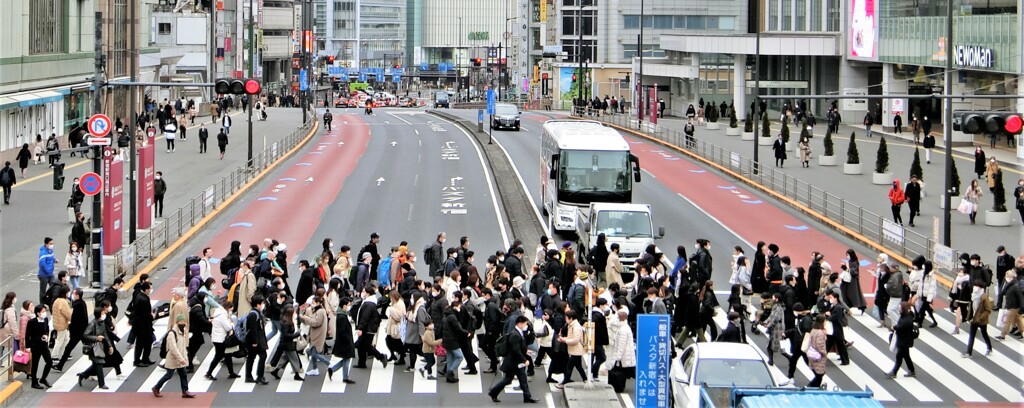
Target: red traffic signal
[[1013, 124], [226, 86], [330, 59], [476, 62], [573, 77], [987, 122]]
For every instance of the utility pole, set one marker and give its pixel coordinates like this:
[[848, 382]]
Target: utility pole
[[133, 123], [97, 159], [757, 84], [640, 76], [304, 60], [579, 56], [948, 129], [252, 70]]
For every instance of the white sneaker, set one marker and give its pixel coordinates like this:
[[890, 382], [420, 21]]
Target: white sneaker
[[313, 372], [120, 376], [787, 382]]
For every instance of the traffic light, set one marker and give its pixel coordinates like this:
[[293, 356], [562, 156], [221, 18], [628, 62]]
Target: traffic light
[[476, 61], [239, 86], [330, 59], [574, 78], [987, 122]]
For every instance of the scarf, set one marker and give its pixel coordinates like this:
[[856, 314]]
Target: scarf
[[976, 297]]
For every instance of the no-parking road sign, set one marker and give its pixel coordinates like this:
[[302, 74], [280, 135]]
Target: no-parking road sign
[[99, 125], [90, 183]]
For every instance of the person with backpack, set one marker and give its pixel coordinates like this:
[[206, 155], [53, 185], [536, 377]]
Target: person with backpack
[[434, 255], [895, 288], [244, 289], [515, 362], [904, 333], [869, 121], [99, 345], [198, 324], [688, 129], [7, 180], [896, 198], [982, 307], [250, 331], [362, 276], [52, 149], [222, 335]]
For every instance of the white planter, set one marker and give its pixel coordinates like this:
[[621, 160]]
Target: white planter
[[765, 141], [733, 131], [748, 136], [953, 201], [826, 160], [881, 178], [998, 219], [853, 168], [714, 126], [790, 146]]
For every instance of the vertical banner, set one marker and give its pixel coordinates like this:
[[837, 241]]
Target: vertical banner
[[652, 106], [144, 200], [652, 358], [113, 194], [639, 102]]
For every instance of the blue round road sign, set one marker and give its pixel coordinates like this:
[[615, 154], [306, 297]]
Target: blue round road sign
[[90, 183]]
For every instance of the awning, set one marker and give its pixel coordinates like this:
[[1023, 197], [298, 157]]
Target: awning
[[193, 59], [32, 98]]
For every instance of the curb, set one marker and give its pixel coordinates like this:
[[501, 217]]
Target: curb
[[778, 196], [9, 392], [167, 252]]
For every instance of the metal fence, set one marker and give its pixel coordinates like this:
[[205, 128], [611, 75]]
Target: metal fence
[[148, 245], [875, 228]]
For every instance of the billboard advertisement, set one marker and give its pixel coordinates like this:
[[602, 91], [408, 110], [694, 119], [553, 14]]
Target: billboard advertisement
[[863, 26], [113, 193]]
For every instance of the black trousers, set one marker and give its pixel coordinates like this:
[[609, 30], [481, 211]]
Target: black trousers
[[487, 341], [44, 354], [202, 145], [974, 333], [914, 209], [506, 379], [839, 341], [170, 144], [7, 194], [469, 353], [413, 350], [903, 354], [158, 205], [365, 347], [97, 370], [193, 349], [896, 213], [596, 359], [143, 344], [218, 356], [253, 353], [575, 362]]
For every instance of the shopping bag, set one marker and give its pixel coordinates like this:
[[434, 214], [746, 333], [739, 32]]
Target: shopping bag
[[1001, 318], [965, 207], [617, 378]]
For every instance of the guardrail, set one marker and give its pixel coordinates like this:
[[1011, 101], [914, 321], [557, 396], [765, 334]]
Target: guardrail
[[868, 225], [148, 244], [7, 356]]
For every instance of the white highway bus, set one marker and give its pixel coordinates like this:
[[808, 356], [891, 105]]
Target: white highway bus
[[583, 162]]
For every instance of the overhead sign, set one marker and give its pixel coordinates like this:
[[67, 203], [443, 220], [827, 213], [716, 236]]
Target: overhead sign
[[90, 183], [98, 141], [99, 125], [972, 56], [396, 78], [491, 100], [652, 358]]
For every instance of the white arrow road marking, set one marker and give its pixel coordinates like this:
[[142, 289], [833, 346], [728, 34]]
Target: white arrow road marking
[[379, 181], [394, 143]]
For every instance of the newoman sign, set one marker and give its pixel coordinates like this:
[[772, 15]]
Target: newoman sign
[[972, 56]]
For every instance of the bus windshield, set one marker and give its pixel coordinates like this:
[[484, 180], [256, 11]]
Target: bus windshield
[[594, 171], [626, 224]]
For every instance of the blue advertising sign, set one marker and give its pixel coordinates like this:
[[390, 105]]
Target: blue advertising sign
[[398, 71], [396, 78], [424, 66], [336, 71], [652, 361], [491, 99], [303, 80], [479, 116], [362, 77], [443, 67]]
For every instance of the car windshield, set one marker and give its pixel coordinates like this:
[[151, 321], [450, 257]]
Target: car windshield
[[595, 171], [441, 96], [630, 224], [741, 373], [506, 110]]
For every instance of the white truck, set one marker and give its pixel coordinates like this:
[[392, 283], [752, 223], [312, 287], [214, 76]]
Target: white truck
[[628, 225]]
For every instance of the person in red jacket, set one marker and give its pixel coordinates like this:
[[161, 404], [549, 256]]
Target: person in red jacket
[[896, 197]]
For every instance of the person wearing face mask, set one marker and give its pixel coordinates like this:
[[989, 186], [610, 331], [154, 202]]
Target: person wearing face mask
[[223, 325], [142, 325], [732, 332], [177, 357], [344, 346], [45, 273], [77, 195], [982, 307], [434, 255], [600, 332], [61, 321], [623, 356], [73, 264], [367, 324], [37, 337], [159, 189], [515, 362], [1011, 299], [452, 335], [99, 345], [255, 340], [1018, 193]]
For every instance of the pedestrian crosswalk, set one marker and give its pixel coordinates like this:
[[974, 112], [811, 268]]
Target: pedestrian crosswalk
[[942, 375]]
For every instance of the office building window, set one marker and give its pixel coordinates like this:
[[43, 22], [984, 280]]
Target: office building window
[[801, 15], [163, 28], [680, 22], [47, 17]]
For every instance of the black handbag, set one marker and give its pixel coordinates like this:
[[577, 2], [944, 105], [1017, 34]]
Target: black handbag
[[617, 378]]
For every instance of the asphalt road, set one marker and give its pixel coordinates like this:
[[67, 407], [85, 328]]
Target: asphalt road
[[693, 201]]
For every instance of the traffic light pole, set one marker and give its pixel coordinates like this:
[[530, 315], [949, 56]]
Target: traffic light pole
[[947, 216], [97, 159]]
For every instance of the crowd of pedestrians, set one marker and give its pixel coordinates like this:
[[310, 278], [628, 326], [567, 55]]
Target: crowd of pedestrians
[[545, 306]]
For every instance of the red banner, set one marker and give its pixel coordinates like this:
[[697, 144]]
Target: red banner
[[113, 195], [639, 102], [652, 106], [145, 186]]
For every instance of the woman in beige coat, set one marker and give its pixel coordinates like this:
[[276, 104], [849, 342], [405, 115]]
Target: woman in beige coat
[[991, 169], [315, 316], [574, 340], [176, 360], [816, 340], [613, 271], [396, 314]]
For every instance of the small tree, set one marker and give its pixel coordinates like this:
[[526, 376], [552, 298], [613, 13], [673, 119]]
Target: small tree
[[733, 122], [711, 113], [766, 126], [748, 122], [829, 146], [954, 184], [915, 166], [882, 159], [998, 193], [852, 156], [785, 131]]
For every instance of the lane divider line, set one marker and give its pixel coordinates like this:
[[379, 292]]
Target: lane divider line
[[167, 252]]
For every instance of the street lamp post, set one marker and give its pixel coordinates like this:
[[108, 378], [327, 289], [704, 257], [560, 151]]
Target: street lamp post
[[640, 75], [757, 86]]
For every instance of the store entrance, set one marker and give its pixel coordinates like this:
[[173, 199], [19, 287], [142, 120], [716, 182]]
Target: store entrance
[[925, 105]]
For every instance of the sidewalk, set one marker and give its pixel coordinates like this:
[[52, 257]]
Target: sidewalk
[[37, 210], [859, 190]]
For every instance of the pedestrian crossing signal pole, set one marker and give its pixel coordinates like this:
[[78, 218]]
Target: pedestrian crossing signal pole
[[97, 157]]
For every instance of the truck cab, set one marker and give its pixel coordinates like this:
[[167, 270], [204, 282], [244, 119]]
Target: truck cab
[[628, 225]]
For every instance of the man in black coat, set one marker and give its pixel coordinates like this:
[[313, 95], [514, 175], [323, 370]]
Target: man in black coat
[[732, 333], [367, 324], [256, 341], [774, 274], [493, 318], [597, 316], [452, 335], [371, 248], [204, 135], [515, 362], [514, 263], [913, 194], [435, 256], [344, 346], [142, 325]]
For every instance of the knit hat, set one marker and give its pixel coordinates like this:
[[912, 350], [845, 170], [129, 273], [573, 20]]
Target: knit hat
[[180, 291], [180, 318], [517, 281], [581, 275], [566, 244]]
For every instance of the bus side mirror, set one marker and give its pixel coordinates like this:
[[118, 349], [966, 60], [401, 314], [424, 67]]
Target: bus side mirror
[[636, 168], [554, 167], [661, 232]]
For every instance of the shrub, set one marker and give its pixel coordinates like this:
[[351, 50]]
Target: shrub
[[954, 184], [915, 166], [733, 122], [829, 146], [852, 156], [748, 123], [766, 126], [785, 131], [882, 158], [711, 113], [998, 193]]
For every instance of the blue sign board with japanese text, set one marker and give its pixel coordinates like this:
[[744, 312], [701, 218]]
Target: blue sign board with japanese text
[[490, 101], [303, 80], [653, 350]]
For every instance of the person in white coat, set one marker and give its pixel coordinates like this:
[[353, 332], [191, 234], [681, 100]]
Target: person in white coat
[[223, 326], [926, 295], [624, 352]]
